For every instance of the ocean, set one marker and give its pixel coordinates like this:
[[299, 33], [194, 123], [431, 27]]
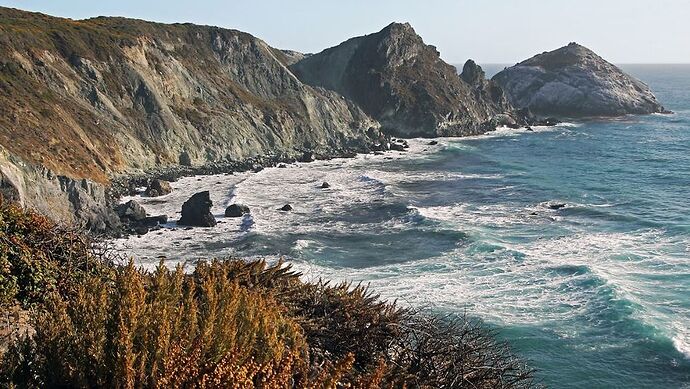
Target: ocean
[[572, 242]]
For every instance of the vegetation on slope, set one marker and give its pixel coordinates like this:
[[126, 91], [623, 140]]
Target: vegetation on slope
[[229, 323]]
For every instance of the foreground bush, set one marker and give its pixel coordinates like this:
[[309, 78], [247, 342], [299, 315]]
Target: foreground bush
[[229, 324], [38, 257]]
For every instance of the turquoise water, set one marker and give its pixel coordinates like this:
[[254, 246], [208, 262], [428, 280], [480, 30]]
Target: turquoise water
[[594, 294]]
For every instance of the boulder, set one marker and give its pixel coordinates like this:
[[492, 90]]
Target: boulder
[[152, 221], [398, 147], [325, 185], [197, 211], [433, 143], [131, 211], [236, 210], [286, 208], [158, 188], [141, 230], [307, 156]]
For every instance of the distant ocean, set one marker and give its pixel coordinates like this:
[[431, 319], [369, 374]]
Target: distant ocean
[[595, 294]]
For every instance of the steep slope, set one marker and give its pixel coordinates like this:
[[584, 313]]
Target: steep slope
[[573, 81], [94, 98], [401, 81]]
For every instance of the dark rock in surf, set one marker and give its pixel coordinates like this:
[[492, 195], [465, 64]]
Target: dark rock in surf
[[397, 147], [141, 230], [286, 208], [236, 210], [307, 156], [197, 211], [152, 221], [325, 185]]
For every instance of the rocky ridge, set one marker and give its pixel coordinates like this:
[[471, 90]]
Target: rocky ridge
[[403, 83]]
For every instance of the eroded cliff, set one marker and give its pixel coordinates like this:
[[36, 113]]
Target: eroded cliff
[[91, 99]]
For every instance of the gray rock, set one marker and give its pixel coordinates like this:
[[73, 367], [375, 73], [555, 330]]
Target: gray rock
[[158, 188], [286, 208], [325, 185], [197, 211], [574, 82], [236, 210], [131, 211]]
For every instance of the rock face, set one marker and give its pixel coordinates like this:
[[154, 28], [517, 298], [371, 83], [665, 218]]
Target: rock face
[[92, 99], [403, 83], [575, 82], [197, 211]]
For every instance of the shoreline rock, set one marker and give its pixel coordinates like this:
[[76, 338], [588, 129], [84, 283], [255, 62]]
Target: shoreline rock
[[196, 212]]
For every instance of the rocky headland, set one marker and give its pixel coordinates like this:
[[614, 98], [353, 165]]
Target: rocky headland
[[574, 82], [93, 109], [404, 84]]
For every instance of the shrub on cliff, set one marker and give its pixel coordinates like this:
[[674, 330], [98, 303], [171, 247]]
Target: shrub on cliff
[[38, 256], [230, 323]]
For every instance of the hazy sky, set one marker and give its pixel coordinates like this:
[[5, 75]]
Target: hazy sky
[[498, 31]]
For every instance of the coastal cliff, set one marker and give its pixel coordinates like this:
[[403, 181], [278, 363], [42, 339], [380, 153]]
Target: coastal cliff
[[403, 83], [84, 101], [573, 81]]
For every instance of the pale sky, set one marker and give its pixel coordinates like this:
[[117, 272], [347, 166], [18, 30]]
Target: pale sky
[[488, 31]]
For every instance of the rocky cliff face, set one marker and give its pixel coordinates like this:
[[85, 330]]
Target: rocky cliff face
[[401, 81], [83, 101], [573, 82]]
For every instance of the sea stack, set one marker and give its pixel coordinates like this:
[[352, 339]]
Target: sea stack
[[197, 211], [573, 81]]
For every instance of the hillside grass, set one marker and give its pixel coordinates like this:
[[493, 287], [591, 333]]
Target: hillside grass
[[229, 323]]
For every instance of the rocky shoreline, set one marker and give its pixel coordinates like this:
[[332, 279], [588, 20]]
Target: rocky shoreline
[[130, 185]]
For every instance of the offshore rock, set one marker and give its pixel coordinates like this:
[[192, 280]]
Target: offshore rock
[[236, 210], [573, 81]]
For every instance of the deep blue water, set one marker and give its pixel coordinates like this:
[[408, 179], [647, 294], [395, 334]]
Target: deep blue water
[[595, 294]]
